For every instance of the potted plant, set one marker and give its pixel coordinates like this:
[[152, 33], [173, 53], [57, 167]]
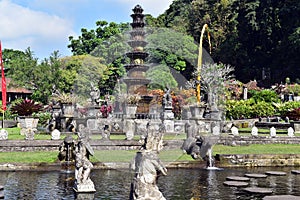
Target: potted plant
[[105, 110], [132, 101], [66, 102], [25, 111], [197, 109]]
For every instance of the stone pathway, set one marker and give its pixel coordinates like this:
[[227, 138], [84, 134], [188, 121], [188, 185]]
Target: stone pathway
[[1, 192], [236, 183], [295, 171], [258, 190], [237, 178], [275, 173], [256, 175], [282, 197]]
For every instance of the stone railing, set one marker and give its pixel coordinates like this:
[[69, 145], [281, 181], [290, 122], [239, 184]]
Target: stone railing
[[53, 145], [257, 160]]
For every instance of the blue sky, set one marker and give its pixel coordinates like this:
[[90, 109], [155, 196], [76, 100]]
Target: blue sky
[[45, 25]]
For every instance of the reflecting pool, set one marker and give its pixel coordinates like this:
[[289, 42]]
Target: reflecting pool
[[115, 184]]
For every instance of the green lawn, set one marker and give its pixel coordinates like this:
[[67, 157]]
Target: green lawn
[[28, 157], [165, 155], [258, 149]]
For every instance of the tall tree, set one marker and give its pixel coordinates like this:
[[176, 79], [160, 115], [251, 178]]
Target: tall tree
[[79, 72], [90, 39], [26, 71]]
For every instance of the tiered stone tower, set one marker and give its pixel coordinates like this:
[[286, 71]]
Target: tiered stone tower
[[136, 81]]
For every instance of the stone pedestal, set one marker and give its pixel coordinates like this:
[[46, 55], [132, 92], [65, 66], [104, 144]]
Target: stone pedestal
[[68, 109], [129, 126], [168, 119], [197, 112], [65, 122], [186, 113], [130, 111], [93, 111], [28, 126], [3, 134], [168, 115], [87, 186], [169, 125], [179, 126]]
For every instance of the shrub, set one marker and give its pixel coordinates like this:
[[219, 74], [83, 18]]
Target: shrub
[[248, 109], [238, 109], [295, 89], [264, 95], [283, 108], [262, 109], [26, 107], [44, 117]]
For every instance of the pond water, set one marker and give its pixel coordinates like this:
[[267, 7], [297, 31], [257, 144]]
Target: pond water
[[115, 184]]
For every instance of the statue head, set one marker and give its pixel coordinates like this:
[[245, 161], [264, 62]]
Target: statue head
[[153, 140]]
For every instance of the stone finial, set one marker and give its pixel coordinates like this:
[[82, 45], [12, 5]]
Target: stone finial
[[234, 131], [55, 134], [273, 131], [254, 131], [291, 132]]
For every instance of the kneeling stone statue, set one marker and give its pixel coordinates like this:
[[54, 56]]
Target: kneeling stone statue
[[148, 167], [83, 166]]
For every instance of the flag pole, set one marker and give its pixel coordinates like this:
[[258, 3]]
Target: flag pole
[[3, 86], [3, 118]]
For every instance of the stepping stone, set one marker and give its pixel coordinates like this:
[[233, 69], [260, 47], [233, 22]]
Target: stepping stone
[[295, 171], [276, 173], [281, 197], [237, 178], [236, 183], [256, 175], [258, 190]]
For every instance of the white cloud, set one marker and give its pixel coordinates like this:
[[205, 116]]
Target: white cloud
[[45, 25], [22, 27]]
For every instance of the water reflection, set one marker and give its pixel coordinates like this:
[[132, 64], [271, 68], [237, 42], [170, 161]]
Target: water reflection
[[115, 184]]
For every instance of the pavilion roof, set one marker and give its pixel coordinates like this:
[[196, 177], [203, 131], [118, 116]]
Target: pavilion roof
[[13, 89]]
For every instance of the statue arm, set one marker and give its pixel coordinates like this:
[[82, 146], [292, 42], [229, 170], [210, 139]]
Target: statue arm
[[159, 166]]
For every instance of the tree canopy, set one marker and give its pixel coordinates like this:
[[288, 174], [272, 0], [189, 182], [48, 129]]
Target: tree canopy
[[251, 35]]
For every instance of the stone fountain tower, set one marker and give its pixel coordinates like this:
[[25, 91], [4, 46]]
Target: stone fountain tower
[[136, 81]]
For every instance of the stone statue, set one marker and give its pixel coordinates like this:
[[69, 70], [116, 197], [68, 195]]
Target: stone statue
[[67, 149], [148, 167], [167, 99], [83, 165], [95, 95], [105, 132], [198, 146]]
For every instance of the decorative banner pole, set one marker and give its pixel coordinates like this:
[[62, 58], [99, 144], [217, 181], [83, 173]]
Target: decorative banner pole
[[198, 88], [3, 86]]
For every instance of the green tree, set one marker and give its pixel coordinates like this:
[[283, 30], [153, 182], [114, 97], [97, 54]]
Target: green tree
[[174, 49], [26, 71], [161, 77], [90, 39], [79, 72], [47, 75]]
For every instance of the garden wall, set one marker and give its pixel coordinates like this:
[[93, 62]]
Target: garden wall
[[53, 145], [242, 140], [258, 160]]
